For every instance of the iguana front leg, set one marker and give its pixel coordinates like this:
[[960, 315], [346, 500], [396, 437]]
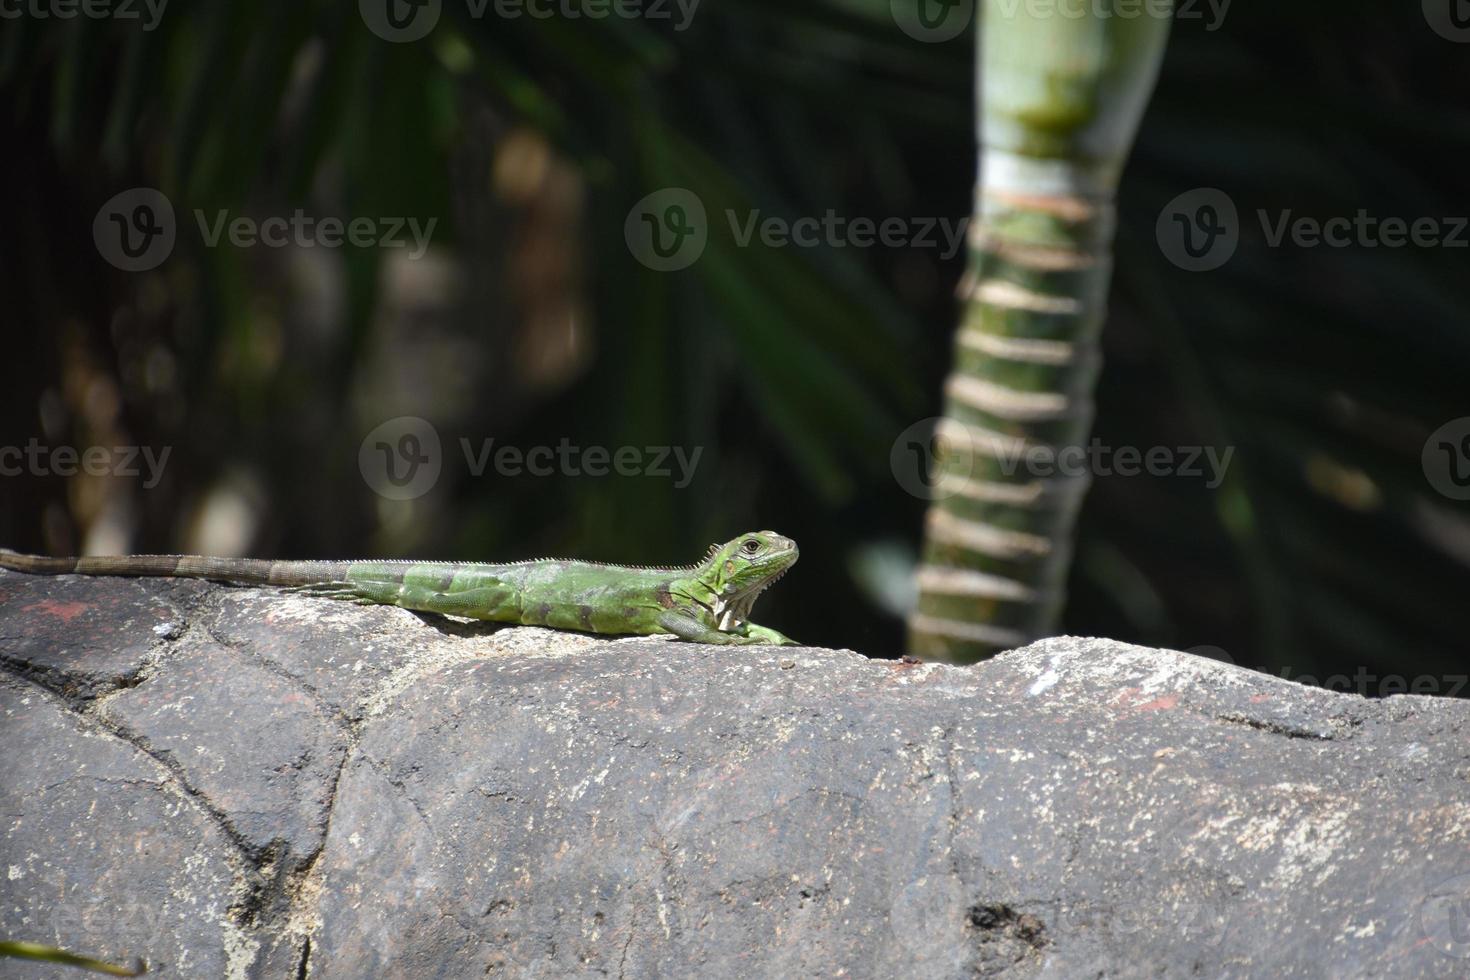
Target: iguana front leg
[[686, 627], [764, 634]]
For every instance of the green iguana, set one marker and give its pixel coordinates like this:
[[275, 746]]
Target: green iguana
[[705, 603]]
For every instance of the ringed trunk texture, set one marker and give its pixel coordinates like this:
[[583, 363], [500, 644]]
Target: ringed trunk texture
[[1060, 99]]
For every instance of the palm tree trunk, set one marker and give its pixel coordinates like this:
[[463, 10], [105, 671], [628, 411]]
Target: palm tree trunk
[[1060, 98]]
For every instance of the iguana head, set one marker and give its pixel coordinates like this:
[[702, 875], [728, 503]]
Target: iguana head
[[738, 571]]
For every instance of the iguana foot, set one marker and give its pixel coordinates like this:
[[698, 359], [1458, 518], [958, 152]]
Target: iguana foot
[[765, 635]]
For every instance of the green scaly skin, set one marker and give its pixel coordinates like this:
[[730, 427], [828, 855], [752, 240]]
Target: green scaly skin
[[708, 602]]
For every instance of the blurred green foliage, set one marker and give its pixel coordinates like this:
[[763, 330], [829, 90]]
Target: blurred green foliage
[[21, 950], [793, 368]]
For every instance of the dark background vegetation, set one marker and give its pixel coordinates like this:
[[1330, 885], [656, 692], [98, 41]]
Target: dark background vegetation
[[1325, 550]]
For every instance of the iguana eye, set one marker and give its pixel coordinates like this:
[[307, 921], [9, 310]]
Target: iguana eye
[[752, 546]]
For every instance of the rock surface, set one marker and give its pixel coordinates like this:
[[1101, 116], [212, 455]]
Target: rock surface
[[235, 783]]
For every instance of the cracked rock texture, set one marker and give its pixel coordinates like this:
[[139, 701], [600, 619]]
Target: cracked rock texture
[[235, 783]]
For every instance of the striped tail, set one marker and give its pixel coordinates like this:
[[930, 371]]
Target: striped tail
[[246, 571]]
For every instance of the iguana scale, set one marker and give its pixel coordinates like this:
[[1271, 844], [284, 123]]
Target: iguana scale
[[708, 602]]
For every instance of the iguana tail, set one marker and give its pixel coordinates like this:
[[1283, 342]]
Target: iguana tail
[[247, 571]]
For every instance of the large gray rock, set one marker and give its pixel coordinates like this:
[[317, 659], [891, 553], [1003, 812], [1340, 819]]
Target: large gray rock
[[236, 783]]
